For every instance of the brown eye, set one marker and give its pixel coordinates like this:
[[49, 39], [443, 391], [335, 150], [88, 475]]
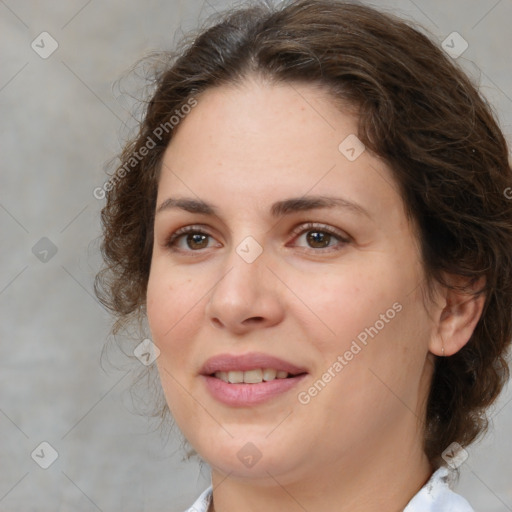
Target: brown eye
[[318, 239], [197, 241], [189, 239]]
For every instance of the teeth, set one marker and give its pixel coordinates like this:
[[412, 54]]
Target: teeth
[[255, 376], [235, 377], [269, 374], [222, 376]]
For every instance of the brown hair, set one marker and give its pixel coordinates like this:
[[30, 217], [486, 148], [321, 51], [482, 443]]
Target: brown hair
[[417, 111]]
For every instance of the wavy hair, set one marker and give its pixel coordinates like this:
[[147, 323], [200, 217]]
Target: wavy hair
[[417, 110]]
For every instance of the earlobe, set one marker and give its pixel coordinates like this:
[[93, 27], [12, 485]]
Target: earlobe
[[457, 319]]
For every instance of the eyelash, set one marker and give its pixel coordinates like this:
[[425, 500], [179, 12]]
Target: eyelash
[[172, 240]]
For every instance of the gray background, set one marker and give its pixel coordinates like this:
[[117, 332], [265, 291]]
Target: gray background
[[61, 121]]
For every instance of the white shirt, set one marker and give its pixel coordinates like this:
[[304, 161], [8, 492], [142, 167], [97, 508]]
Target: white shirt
[[434, 496]]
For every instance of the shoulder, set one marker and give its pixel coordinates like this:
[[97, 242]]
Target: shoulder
[[202, 504], [436, 496]]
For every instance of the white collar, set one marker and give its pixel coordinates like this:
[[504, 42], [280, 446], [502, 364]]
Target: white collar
[[434, 496]]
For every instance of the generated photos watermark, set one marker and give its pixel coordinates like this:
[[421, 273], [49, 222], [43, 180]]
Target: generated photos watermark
[[344, 359], [143, 151]]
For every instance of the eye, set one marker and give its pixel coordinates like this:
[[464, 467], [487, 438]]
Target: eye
[[188, 238], [319, 236]]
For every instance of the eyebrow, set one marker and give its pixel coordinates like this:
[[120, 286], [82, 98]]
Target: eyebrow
[[278, 209]]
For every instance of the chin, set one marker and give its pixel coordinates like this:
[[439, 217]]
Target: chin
[[250, 457]]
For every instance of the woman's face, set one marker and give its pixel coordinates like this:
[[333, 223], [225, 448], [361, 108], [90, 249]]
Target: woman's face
[[299, 259]]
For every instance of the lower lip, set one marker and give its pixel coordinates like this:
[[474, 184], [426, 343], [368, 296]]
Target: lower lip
[[239, 395]]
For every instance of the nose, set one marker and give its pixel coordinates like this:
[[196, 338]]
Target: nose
[[246, 297]]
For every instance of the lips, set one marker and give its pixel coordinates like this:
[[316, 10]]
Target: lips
[[248, 362], [249, 379]]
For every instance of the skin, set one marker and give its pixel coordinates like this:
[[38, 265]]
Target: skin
[[357, 445]]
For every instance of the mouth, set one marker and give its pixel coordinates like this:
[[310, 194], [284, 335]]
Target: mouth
[[249, 379], [250, 368]]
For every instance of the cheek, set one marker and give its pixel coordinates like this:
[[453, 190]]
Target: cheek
[[171, 303], [159, 298], [173, 313], [375, 306], [343, 304]]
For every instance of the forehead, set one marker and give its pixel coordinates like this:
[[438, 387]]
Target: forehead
[[259, 140], [255, 119]]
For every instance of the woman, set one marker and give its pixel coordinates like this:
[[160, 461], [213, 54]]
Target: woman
[[313, 219]]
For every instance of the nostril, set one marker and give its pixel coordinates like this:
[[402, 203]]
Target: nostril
[[254, 319]]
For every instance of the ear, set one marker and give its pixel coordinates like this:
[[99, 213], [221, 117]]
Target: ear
[[456, 317]]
